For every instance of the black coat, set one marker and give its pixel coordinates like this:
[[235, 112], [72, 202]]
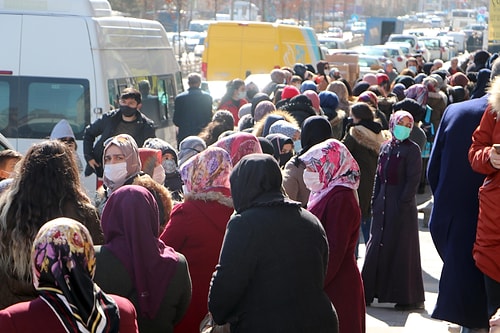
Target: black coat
[[106, 127], [273, 261], [193, 111]]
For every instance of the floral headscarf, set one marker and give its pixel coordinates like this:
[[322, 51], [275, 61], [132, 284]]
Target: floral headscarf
[[63, 266], [189, 147], [335, 165], [395, 118], [239, 144], [418, 92], [285, 128], [208, 171]]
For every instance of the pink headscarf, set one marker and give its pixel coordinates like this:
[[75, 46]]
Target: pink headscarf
[[207, 171], [335, 165], [395, 118], [239, 144], [418, 92], [130, 223], [313, 96]]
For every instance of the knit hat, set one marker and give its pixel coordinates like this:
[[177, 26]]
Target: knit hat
[[300, 70], [410, 105], [284, 127], [360, 87], [289, 92], [329, 102], [370, 78], [362, 111], [313, 96], [258, 98], [278, 75], [459, 79], [224, 116], [244, 109], [262, 109], [369, 97], [62, 130], [399, 90], [245, 122], [405, 79], [381, 78], [308, 85]]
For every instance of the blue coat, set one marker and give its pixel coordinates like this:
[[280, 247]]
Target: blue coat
[[453, 221]]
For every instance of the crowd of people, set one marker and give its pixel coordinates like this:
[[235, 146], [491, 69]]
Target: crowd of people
[[254, 216]]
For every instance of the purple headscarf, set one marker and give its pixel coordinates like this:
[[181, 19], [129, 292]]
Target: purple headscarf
[[130, 223]]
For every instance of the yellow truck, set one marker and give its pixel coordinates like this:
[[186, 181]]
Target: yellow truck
[[237, 49]]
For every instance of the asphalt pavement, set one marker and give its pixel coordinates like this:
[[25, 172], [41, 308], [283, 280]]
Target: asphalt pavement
[[383, 318]]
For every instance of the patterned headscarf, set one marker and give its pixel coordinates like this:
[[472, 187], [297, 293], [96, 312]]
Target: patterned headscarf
[[335, 165], [284, 127], [129, 148], [239, 144], [418, 92], [189, 147], [150, 158], [395, 118], [63, 266], [208, 171], [131, 226]]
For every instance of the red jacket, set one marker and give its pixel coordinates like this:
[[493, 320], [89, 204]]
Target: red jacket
[[233, 107], [37, 316], [196, 229], [486, 250]]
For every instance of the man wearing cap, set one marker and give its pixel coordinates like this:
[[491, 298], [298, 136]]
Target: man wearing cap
[[192, 109], [127, 119], [390, 70]]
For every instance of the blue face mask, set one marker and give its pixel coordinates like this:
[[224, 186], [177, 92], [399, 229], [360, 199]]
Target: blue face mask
[[401, 132], [413, 69], [297, 146]]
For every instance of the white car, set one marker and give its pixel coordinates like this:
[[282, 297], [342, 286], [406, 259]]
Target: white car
[[437, 48], [390, 52]]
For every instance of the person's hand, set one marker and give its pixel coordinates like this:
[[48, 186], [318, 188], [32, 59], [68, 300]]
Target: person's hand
[[495, 322], [93, 164]]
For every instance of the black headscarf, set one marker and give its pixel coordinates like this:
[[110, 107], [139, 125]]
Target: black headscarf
[[256, 181], [315, 129], [278, 140]]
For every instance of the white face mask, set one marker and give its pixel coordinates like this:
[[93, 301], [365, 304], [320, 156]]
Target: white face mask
[[185, 189], [117, 173], [159, 174], [242, 94], [169, 166], [311, 179]]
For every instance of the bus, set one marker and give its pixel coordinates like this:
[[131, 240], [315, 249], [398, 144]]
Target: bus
[[70, 60], [463, 17]]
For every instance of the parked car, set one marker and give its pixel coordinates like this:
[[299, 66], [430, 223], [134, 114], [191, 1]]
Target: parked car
[[358, 28], [406, 38], [192, 38], [422, 49], [178, 44], [331, 43], [335, 32], [437, 48], [390, 52], [4, 143], [370, 64]]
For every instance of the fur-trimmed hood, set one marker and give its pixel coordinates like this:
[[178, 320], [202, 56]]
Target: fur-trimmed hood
[[339, 119], [210, 196], [494, 98], [368, 138], [258, 128]]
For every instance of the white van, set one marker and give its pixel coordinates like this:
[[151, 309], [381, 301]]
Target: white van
[[71, 59]]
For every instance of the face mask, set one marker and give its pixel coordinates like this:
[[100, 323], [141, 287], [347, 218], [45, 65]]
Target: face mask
[[169, 166], [285, 158], [127, 111], [413, 68], [297, 146], [242, 94], [185, 189], [159, 174], [401, 132], [117, 173], [311, 179]]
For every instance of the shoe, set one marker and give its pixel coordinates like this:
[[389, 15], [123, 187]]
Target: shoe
[[408, 307]]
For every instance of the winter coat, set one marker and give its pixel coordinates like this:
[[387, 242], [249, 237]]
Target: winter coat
[[453, 221], [175, 300], [293, 182], [193, 111], [105, 127], [196, 229], [392, 271], [339, 214], [364, 146], [258, 128], [437, 101], [486, 251]]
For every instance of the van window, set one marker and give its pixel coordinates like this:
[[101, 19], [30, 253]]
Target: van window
[[403, 39], [45, 101]]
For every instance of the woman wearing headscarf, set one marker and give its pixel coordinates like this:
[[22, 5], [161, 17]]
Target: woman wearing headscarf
[[329, 103], [483, 81], [340, 89], [322, 78], [332, 175], [46, 187], [136, 264], [273, 262], [314, 130], [283, 147], [189, 147], [196, 227], [63, 265], [363, 139], [392, 271], [238, 145]]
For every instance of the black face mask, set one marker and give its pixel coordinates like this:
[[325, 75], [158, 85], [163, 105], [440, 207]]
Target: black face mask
[[127, 111], [285, 158]]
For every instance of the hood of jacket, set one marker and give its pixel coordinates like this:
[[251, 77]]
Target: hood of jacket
[[369, 139], [258, 128]]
